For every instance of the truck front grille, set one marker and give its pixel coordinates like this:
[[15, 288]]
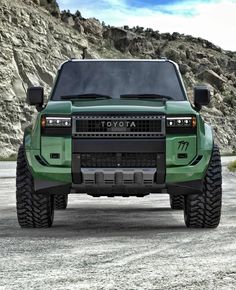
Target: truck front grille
[[118, 160], [117, 126]]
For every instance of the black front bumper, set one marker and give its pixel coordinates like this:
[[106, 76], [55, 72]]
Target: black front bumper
[[119, 146], [181, 188], [119, 186]]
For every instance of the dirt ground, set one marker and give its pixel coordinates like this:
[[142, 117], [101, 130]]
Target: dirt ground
[[105, 243]]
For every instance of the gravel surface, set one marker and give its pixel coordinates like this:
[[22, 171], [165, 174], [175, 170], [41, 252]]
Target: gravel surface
[[7, 169], [105, 243]]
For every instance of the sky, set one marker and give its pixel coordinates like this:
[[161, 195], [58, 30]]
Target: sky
[[214, 20]]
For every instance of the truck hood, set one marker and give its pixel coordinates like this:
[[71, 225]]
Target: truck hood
[[169, 107]]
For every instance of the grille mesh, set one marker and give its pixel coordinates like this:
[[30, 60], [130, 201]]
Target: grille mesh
[[102, 126], [118, 126], [116, 160]]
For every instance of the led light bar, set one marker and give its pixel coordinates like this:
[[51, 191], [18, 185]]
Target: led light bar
[[56, 122], [181, 122]]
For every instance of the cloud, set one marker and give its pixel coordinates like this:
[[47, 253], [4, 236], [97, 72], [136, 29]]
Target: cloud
[[212, 20]]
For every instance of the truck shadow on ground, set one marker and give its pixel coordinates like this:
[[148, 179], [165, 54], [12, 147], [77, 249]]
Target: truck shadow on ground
[[115, 220], [100, 221]]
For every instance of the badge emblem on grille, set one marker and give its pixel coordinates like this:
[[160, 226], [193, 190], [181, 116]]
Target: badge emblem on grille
[[118, 124]]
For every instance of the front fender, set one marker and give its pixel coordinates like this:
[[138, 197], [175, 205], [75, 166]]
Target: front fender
[[27, 139], [194, 171], [205, 142]]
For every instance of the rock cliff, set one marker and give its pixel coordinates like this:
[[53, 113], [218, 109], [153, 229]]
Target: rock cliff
[[35, 37]]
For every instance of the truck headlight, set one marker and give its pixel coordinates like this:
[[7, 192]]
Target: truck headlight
[[55, 122], [181, 122]]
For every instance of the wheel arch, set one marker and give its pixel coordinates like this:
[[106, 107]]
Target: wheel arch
[[207, 138], [205, 143], [27, 138]]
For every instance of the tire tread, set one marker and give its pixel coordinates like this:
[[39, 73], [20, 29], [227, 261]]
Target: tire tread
[[61, 201], [204, 210], [177, 202], [34, 210]]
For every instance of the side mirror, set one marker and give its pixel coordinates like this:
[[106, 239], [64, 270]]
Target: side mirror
[[202, 96], [35, 97]]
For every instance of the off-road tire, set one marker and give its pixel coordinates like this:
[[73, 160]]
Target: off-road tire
[[60, 201], [204, 210], [177, 202], [34, 210]]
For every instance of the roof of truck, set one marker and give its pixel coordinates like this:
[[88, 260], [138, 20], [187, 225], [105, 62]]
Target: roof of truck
[[126, 59]]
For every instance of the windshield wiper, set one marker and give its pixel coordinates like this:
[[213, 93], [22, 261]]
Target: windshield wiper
[[146, 96], [85, 96]]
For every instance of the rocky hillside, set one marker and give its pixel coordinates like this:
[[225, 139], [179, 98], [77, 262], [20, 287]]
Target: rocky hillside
[[35, 37]]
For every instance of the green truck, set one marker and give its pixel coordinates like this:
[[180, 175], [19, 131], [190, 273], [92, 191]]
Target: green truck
[[119, 128]]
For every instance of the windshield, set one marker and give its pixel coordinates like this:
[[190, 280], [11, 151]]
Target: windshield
[[116, 78]]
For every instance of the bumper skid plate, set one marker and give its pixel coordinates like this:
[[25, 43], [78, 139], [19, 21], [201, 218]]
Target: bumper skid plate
[[116, 176]]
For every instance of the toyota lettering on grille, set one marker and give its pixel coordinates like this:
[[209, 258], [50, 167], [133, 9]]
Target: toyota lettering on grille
[[118, 124], [130, 126]]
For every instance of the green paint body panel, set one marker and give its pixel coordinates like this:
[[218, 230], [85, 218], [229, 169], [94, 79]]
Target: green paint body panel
[[57, 145], [113, 105], [177, 169], [47, 173], [172, 146]]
